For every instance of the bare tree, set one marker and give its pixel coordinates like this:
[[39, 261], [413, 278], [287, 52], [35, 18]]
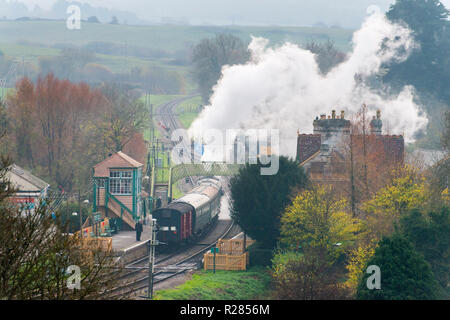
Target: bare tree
[[210, 55], [35, 254], [327, 55]]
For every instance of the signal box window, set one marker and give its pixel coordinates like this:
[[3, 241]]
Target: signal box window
[[120, 182]]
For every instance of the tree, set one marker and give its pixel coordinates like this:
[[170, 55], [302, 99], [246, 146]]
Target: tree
[[309, 276], [22, 111], [405, 275], [114, 20], [35, 254], [366, 163], [318, 219], [407, 191], [327, 55], [428, 67], [93, 19], [125, 117], [258, 201], [357, 264], [50, 120], [446, 135], [210, 55], [4, 121], [428, 232], [68, 64]]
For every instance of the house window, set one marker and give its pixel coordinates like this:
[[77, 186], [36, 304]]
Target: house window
[[120, 182]]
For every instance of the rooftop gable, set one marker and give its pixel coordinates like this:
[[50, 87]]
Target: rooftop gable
[[116, 160], [24, 181]]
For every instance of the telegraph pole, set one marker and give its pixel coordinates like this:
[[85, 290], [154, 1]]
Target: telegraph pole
[[80, 212], [153, 243]]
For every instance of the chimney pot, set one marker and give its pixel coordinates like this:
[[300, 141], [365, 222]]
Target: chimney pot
[[342, 114], [333, 114]]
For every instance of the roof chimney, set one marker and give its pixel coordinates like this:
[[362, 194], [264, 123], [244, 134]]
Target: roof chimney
[[376, 124], [342, 114], [333, 114]]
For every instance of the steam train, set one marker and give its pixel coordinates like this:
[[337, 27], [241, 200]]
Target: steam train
[[186, 218]]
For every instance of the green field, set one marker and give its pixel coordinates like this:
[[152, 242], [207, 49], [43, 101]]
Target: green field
[[32, 40], [223, 285], [166, 37], [188, 110]]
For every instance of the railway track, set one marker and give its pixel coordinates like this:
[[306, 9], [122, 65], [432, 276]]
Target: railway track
[[136, 280]]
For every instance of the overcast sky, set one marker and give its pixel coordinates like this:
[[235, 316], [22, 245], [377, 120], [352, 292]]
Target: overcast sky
[[346, 13]]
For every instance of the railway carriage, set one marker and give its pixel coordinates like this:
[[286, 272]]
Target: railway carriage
[[187, 217]]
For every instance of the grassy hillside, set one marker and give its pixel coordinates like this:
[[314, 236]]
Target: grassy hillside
[[165, 37]]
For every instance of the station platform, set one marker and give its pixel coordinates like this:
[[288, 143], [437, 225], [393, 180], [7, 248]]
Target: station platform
[[127, 239]]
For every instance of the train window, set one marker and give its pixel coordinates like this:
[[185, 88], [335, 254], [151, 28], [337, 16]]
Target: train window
[[173, 228]]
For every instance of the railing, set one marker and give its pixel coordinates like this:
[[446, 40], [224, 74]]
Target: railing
[[124, 207]]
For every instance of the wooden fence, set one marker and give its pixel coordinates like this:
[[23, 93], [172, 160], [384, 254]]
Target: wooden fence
[[231, 255], [233, 246], [98, 228], [226, 261]]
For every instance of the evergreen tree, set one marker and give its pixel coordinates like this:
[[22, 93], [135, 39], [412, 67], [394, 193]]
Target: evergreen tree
[[405, 275], [259, 200], [428, 67], [429, 234]]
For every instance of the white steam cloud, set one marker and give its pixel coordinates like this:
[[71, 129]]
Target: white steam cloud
[[282, 88]]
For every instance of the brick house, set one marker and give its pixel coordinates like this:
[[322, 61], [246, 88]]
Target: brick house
[[323, 153]]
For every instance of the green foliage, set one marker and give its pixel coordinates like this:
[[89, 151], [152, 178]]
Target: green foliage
[[311, 275], [223, 285], [428, 66], [405, 275], [259, 256], [404, 194], [316, 218], [357, 264], [429, 233], [258, 200]]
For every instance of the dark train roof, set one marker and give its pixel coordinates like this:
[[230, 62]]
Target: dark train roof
[[177, 206]]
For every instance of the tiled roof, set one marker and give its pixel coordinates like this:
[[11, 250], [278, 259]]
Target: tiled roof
[[307, 146], [117, 160]]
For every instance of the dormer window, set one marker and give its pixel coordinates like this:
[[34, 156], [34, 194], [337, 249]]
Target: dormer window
[[120, 182]]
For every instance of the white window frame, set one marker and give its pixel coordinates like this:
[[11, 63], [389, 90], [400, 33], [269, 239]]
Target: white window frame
[[121, 182]]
